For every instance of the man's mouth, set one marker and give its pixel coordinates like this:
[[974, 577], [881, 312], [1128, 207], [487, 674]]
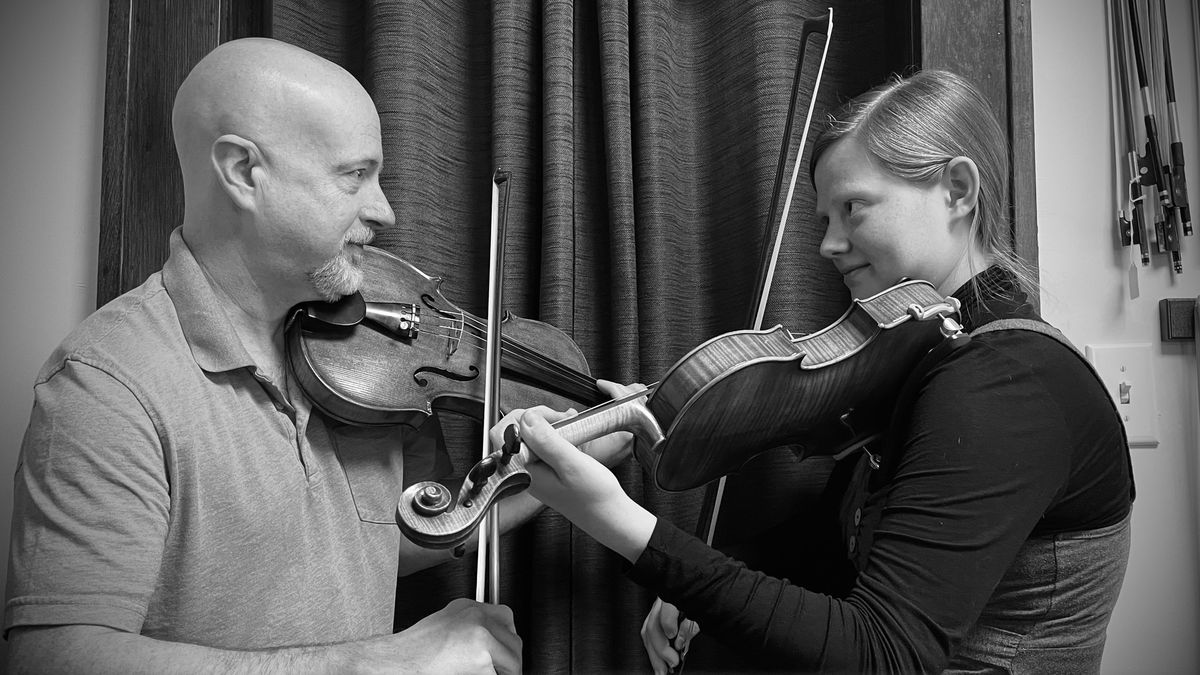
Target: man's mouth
[[360, 237]]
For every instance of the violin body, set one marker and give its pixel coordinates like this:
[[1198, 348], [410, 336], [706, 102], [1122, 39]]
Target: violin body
[[414, 352], [746, 392]]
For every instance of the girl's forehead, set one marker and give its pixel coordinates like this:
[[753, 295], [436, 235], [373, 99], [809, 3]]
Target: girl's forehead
[[846, 162]]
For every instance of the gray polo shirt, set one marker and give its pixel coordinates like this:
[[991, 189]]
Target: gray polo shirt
[[166, 487]]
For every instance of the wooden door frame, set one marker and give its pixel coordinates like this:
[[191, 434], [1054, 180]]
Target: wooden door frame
[[152, 44], [990, 43]]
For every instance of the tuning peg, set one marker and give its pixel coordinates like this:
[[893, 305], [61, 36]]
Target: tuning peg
[[512, 443], [479, 474]]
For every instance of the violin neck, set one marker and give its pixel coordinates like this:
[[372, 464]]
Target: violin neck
[[623, 414]]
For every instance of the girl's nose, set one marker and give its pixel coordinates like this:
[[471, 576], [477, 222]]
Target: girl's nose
[[834, 242]]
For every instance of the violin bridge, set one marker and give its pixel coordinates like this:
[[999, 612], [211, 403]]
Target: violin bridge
[[455, 336]]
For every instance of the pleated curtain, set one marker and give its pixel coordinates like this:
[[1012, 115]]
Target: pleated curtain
[[642, 138]]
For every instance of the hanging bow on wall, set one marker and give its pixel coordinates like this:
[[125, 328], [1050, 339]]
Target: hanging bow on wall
[[1140, 61]]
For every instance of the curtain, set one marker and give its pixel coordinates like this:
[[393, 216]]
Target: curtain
[[642, 138]]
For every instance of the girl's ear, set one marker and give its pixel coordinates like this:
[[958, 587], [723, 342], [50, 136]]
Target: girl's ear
[[234, 159], [961, 180]]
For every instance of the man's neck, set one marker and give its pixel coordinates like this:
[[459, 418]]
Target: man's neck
[[263, 341], [256, 318]]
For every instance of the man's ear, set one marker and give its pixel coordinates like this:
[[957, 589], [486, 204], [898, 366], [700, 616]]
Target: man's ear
[[234, 158], [961, 180]]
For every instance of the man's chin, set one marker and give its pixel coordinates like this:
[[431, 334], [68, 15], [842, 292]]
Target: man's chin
[[332, 282], [330, 296]]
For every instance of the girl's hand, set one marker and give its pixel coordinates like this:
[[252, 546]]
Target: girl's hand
[[615, 448], [665, 638], [578, 486]]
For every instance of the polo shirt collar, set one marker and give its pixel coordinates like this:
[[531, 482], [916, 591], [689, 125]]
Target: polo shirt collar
[[215, 344]]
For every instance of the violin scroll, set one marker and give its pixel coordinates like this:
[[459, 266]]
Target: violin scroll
[[431, 516]]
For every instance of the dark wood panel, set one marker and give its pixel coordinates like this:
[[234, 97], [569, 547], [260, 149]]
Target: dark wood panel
[[1020, 129], [112, 182], [152, 45], [903, 37], [969, 37], [989, 42]]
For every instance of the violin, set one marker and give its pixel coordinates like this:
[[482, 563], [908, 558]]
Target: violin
[[398, 350], [728, 400]]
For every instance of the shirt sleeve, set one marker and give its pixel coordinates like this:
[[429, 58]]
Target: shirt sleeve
[[983, 456], [91, 504]]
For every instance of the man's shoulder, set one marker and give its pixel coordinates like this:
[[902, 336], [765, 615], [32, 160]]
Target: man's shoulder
[[138, 326]]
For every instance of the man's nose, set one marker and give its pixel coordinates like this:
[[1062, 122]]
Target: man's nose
[[377, 213]]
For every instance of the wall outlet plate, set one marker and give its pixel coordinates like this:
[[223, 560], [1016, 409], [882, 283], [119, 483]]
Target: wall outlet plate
[[1128, 374]]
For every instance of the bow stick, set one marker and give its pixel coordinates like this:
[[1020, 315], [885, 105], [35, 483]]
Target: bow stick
[[487, 569], [706, 526]]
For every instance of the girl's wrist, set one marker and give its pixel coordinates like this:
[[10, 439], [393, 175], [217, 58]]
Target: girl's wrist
[[622, 525]]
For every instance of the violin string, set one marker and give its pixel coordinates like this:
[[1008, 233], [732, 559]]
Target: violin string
[[529, 355], [516, 351]]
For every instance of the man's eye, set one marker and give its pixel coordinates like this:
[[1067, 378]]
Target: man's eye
[[360, 173]]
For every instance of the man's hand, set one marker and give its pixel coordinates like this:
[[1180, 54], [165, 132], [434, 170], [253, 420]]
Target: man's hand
[[463, 637]]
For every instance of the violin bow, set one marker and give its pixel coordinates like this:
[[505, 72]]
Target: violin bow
[[772, 243], [1176, 179], [487, 569], [1131, 220], [1152, 166], [822, 25]]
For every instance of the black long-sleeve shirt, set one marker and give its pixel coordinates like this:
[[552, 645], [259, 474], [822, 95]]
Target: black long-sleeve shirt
[[1006, 438]]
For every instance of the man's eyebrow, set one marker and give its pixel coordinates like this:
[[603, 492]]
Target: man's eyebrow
[[357, 164]]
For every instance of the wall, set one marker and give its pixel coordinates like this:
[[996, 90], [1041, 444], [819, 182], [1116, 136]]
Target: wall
[[1087, 295], [52, 73], [52, 76]]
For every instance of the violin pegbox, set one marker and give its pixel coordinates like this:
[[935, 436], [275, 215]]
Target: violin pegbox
[[431, 516]]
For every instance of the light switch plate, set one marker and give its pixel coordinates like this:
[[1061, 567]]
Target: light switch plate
[[1128, 374]]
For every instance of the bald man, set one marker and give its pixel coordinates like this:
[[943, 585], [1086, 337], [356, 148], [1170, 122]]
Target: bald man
[[178, 505]]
